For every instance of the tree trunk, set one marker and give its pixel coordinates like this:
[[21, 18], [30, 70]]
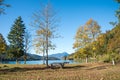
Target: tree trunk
[[1, 59], [113, 61], [25, 58], [16, 61], [86, 59], [43, 57], [47, 25], [25, 61], [47, 58], [47, 50], [94, 56]]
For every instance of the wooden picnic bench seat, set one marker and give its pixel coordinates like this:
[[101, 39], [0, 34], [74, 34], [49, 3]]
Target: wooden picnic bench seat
[[58, 64]]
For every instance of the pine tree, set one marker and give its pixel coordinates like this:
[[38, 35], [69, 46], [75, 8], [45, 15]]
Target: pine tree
[[3, 6], [118, 12], [16, 39], [3, 46]]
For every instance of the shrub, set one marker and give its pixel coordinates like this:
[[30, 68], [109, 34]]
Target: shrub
[[106, 58]]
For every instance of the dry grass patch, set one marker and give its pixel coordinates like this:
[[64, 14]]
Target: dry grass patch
[[91, 71]]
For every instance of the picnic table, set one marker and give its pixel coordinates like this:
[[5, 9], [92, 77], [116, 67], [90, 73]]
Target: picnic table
[[58, 64]]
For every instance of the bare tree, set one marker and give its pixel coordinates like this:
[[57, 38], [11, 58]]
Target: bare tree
[[27, 40], [46, 22]]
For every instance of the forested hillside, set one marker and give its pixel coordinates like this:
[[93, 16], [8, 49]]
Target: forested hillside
[[105, 48]]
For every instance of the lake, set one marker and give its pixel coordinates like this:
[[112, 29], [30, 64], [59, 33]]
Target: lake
[[38, 62]]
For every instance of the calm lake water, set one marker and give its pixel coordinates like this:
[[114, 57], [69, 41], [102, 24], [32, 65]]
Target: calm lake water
[[38, 62]]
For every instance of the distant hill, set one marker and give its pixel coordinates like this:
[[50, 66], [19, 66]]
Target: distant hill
[[37, 57], [59, 55], [31, 57]]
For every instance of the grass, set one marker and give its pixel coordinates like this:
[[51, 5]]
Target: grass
[[94, 71]]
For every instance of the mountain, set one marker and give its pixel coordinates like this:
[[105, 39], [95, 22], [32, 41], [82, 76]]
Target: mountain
[[59, 55], [37, 57], [33, 57]]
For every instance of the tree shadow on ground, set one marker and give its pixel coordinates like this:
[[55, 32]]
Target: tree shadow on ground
[[74, 67], [20, 69], [23, 69], [6, 69], [97, 68]]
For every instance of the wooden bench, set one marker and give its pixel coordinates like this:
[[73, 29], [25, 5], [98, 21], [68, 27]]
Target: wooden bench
[[58, 64]]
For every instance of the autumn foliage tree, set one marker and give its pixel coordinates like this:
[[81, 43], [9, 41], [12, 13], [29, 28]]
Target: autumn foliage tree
[[45, 22], [81, 37], [39, 43], [100, 46], [3, 46], [93, 33], [86, 34], [83, 53], [113, 46]]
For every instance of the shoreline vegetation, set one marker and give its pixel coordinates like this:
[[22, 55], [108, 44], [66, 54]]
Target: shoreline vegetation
[[88, 71]]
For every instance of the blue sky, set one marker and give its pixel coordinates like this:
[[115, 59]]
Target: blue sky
[[72, 14]]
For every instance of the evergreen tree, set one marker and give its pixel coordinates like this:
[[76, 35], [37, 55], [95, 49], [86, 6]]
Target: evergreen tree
[[3, 46], [3, 6], [118, 11], [118, 1], [16, 39]]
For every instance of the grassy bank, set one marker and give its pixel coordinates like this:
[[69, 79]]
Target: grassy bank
[[69, 72]]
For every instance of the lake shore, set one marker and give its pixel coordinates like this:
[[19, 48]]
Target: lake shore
[[35, 62], [90, 71]]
